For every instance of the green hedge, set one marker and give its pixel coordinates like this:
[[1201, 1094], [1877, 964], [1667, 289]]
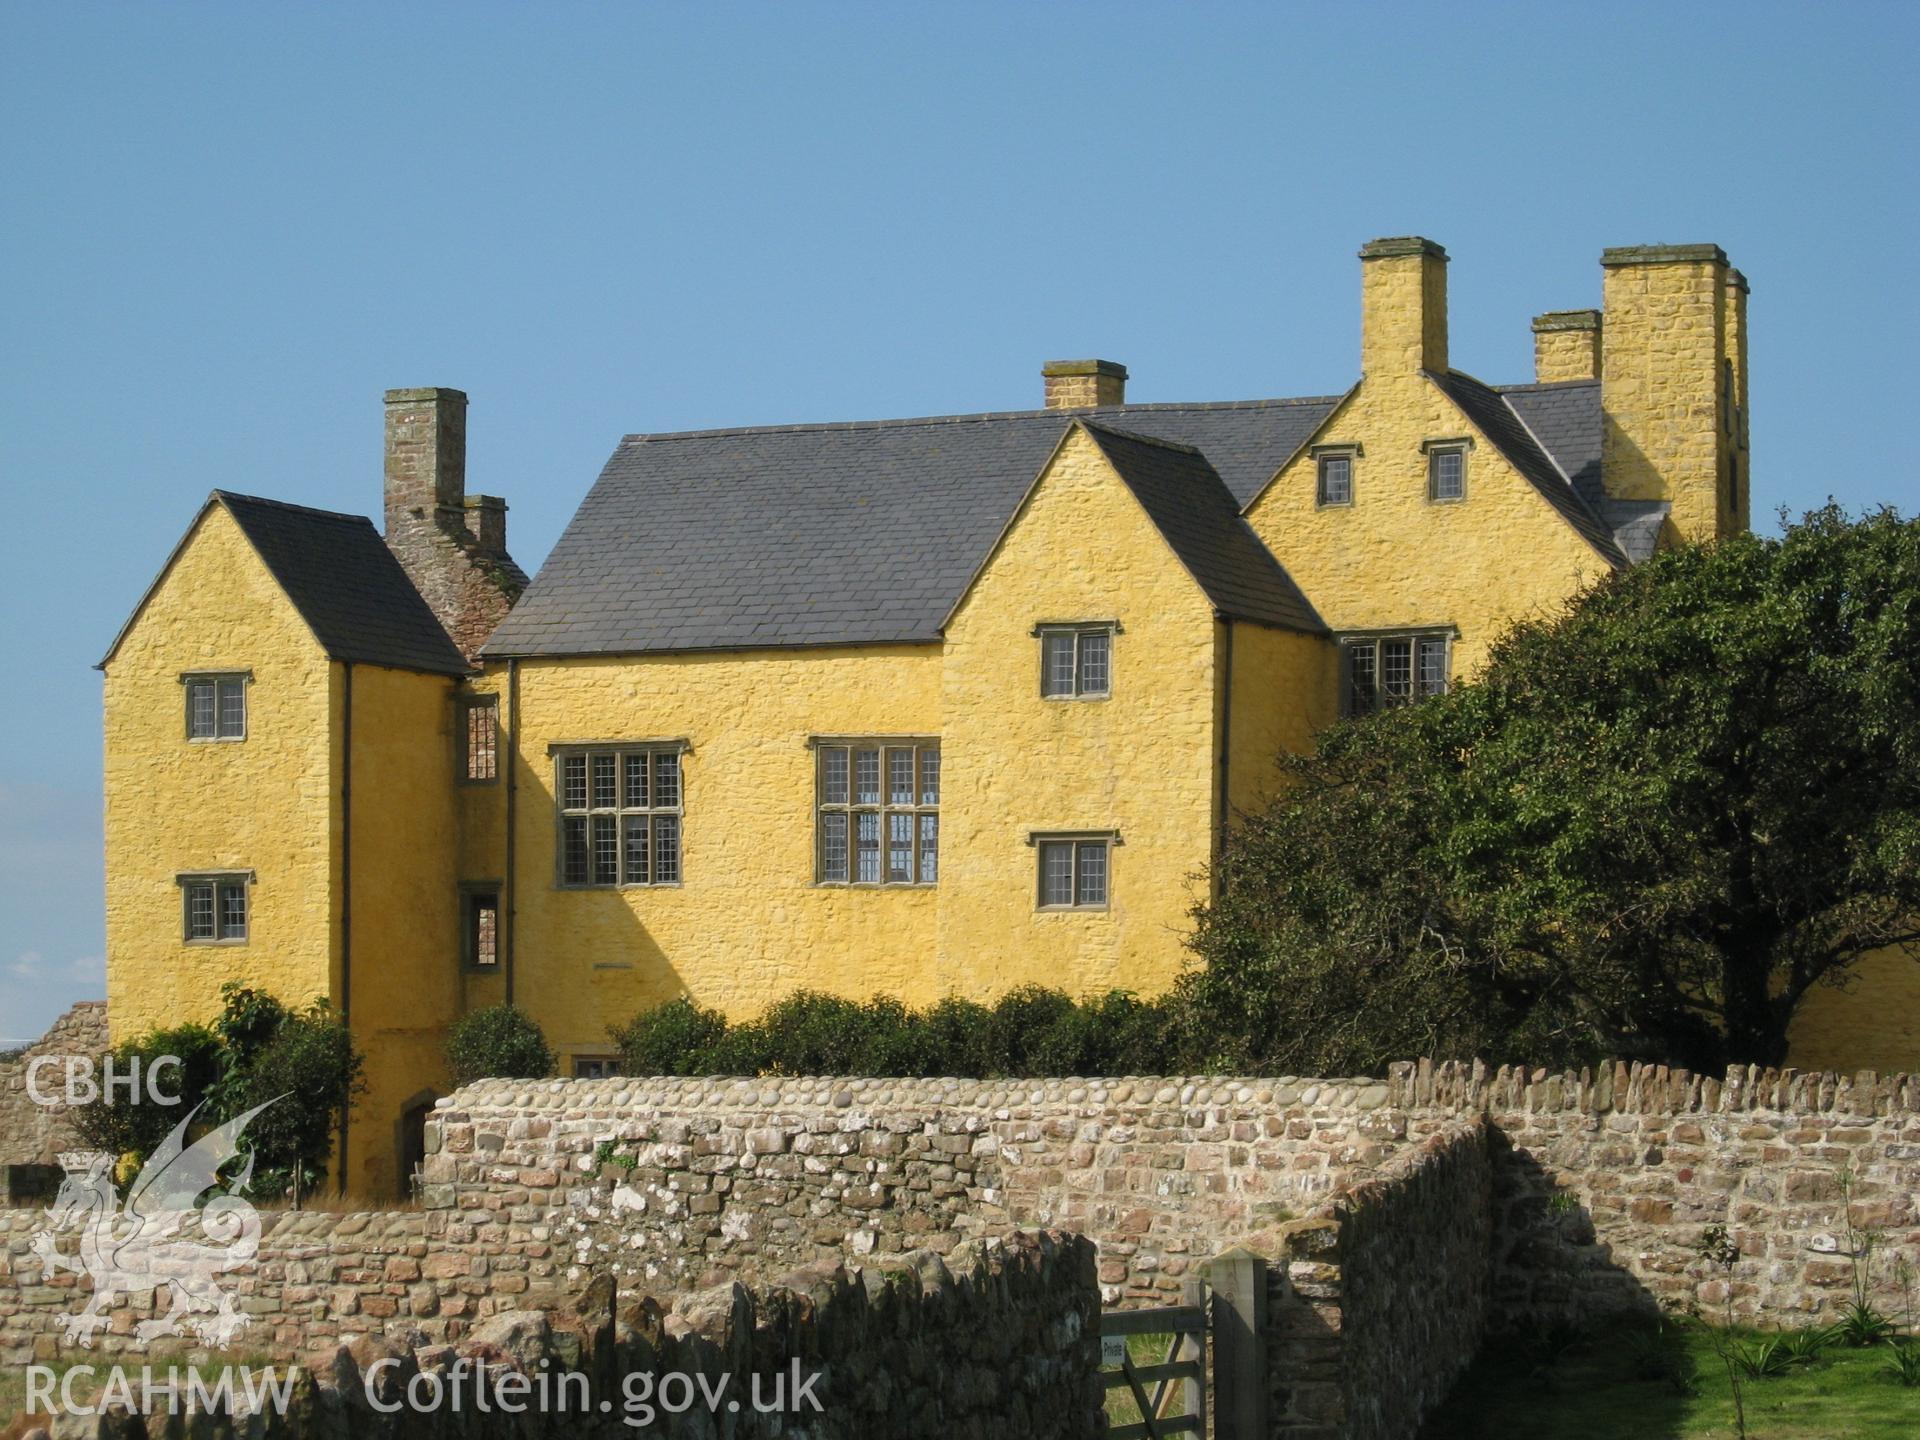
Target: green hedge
[[500, 1042], [1029, 1031]]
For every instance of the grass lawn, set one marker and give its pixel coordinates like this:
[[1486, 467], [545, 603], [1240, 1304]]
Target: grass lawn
[[1590, 1391]]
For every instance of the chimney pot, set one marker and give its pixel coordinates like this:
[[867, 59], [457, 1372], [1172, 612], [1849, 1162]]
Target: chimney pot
[[1081, 384]]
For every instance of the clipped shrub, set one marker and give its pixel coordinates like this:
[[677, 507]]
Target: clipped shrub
[[1029, 1031], [501, 1042], [310, 1070], [677, 1038]]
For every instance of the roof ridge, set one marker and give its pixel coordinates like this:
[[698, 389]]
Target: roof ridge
[[1534, 386], [1144, 439], [297, 509], [825, 426]]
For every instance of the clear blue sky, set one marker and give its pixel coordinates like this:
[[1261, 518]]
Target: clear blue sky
[[226, 228]]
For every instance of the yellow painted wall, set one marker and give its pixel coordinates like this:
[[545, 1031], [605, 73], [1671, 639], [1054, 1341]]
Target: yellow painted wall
[[173, 805], [1872, 1024], [1393, 557], [1141, 762], [406, 980], [1283, 696], [748, 926]]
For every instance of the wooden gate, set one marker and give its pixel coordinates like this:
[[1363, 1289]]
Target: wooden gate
[[1169, 1393]]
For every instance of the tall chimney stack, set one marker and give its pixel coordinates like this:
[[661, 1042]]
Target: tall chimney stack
[[1668, 385], [453, 546], [1403, 307]]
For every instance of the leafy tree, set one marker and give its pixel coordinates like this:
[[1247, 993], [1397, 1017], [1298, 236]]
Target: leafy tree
[[256, 1051], [501, 1042], [1650, 827]]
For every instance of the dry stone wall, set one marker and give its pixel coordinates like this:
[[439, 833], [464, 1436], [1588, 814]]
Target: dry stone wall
[[1005, 1343], [674, 1182], [32, 1136], [1379, 1299], [1605, 1178]]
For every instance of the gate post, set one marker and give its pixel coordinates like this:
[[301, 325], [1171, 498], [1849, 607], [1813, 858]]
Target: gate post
[[1238, 1280]]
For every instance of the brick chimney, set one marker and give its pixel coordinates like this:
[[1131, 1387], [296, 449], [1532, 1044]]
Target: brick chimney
[[452, 546], [1403, 307], [1079, 384], [1566, 346], [1670, 384]]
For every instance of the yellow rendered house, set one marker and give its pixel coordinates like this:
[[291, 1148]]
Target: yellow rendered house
[[918, 707]]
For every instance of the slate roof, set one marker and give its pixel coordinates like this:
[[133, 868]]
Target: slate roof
[[1488, 409], [858, 533], [1191, 506], [343, 580], [1566, 419]]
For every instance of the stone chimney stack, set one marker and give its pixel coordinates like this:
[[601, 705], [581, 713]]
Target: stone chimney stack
[[1669, 384], [1566, 346], [1403, 307], [1079, 384], [487, 523], [452, 546], [426, 458]]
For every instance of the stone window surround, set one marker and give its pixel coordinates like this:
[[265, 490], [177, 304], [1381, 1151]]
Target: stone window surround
[[1051, 629], [560, 752], [1345, 639], [467, 706], [471, 892], [1041, 840], [1461, 445], [884, 808], [189, 679], [220, 880], [1348, 451]]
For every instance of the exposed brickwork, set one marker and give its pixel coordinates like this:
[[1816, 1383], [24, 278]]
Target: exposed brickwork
[[464, 574]]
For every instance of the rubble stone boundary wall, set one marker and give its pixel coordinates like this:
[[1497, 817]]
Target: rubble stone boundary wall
[[672, 1182], [1603, 1179], [34, 1135], [1379, 1299], [1004, 1343]]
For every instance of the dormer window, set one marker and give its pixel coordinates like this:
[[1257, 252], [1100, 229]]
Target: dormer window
[[216, 706], [1447, 469]]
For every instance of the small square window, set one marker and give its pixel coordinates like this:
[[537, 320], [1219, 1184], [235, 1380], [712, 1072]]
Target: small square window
[[215, 909], [1447, 474], [1335, 479], [1073, 871], [1076, 661], [216, 707], [596, 1067]]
